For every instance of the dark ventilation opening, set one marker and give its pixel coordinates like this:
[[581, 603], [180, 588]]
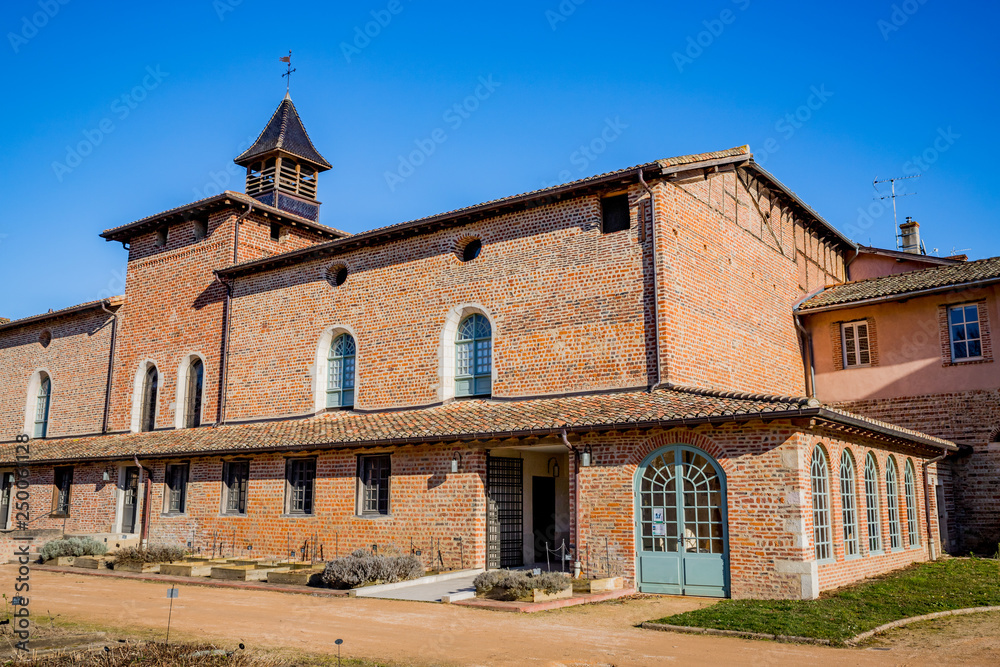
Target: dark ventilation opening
[[614, 214], [336, 275], [45, 338], [161, 236], [200, 229], [472, 250], [275, 231]]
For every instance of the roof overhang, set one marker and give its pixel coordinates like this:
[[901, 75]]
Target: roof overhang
[[112, 303], [203, 207], [901, 296]]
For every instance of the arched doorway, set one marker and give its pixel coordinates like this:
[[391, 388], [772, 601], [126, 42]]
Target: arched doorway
[[682, 536]]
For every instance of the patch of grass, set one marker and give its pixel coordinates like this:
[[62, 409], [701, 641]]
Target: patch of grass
[[952, 583]]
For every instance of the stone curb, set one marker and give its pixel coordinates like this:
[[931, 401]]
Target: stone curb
[[195, 581], [531, 607], [857, 639], [687, 629]]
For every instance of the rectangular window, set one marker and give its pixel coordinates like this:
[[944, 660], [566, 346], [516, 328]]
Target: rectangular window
[[161, 236], [614, 214], [300, 476], [857, 353], [373, 484], [963, 327], [234, 486], [276, 231], [63, 480], [175, 493]]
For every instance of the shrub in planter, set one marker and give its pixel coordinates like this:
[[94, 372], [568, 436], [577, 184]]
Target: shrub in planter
[[518, 584], [74, 546], [160, 553], [363, 567]]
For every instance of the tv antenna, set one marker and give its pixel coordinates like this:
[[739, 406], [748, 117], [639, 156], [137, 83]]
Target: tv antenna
[[892, 196]]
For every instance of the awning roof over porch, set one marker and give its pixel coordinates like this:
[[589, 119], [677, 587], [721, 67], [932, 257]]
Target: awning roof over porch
[[466, 420]]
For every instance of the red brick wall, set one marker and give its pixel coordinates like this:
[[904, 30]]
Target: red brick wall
[[174, 307], [970, 418], [76, 359], [729, 281], [769, 506]]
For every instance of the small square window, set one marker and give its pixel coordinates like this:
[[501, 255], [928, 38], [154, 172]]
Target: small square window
[[856, 349], [235, 475], [614, 214], [62, 482], [300, 477], [175, 488], [963, 328], [373, 484]]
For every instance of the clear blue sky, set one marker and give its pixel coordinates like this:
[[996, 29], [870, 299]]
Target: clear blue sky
[[671, 78]]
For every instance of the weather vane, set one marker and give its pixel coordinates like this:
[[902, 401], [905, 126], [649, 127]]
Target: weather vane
[[287, 60]]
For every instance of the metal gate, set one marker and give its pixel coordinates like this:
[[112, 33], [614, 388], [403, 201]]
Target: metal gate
[[504, 512]]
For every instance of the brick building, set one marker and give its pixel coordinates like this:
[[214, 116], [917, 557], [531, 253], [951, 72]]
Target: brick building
[[611, 363], [914, 346]]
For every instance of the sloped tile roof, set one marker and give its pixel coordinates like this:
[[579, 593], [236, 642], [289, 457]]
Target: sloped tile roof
[[123, 231], [458, 420], [456, 216], [284, 132], [112, 302], [901, 284]]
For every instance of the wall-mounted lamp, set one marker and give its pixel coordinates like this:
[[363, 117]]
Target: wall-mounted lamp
[[552, 467], [586, 457], [456, 461], [106, 475]]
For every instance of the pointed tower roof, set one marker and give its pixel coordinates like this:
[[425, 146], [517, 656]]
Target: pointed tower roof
[[284, 133]]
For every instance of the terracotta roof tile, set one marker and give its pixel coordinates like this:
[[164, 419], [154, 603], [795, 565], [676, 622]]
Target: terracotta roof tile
[[938, 277], [458, 420]]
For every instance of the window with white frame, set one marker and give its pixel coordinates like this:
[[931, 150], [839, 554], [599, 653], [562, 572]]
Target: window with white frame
[[910, 489], [856, 348], [849, 504], [819, 472], [340, 372], [963, 328], [43, 401], [892, 504], [474, 357], [873, 510]]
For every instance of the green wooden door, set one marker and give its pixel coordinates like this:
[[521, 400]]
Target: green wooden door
[[681, 528]]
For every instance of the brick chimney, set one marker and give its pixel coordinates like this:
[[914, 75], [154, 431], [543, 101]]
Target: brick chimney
[[909, 237]]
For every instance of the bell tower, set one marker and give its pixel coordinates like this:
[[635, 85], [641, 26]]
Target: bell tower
[[283, 165]]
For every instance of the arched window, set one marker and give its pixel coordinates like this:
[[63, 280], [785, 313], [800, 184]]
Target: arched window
[[872, 510], [892, 504], [340, 372], [193, 393], [474, 357], [819, 472], [150, 387], [42, 401], [849, 504], [910, 488]]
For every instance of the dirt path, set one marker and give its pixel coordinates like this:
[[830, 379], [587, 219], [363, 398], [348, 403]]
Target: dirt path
[[434, 634]]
